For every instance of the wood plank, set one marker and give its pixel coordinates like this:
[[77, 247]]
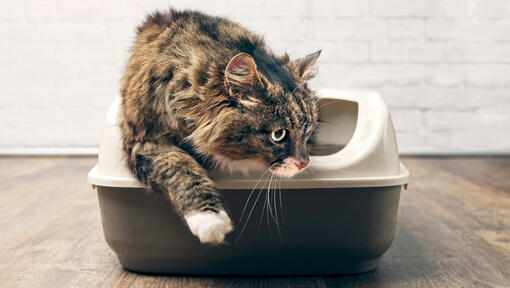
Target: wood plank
[[18, 167], [453, 230], [192, 282], [479, 212]]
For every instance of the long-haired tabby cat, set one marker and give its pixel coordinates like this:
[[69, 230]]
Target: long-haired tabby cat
[[200, 91]]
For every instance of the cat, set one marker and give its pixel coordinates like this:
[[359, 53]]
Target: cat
[[201, 91]]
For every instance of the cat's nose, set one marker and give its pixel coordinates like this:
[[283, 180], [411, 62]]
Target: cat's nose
[[301, 165]]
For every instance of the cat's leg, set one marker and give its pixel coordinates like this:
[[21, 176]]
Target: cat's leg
[[192, 193]]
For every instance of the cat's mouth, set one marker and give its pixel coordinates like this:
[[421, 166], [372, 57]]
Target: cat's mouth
[[286, 168]]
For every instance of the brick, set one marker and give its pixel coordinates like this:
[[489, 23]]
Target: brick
[[244, 10], [454, 98], [121, 33], [490, 76], [405, 97], [480, 9], [53, 118], [466, 98], [27, 118], [94, 97], [216, 7], [352, 52], [405, 8], [27, 33], [458, 9], [271, 29], [373, 76], [478, 53], [296, 30], [407, 52], [35, 54], [452, 120], [37, 95], [12, 10], [411, 142], [296, 9], [445, 75], [26, 138], [350, 8], [19, 74], [495, 119], [79, 33], [467, 120], [350, 29], [469, 141], [84, 118], [4, 32], [5, 54], [70, 10], [406, 29], [320, 9], [136, 10], [85, 53], [94, 75], [407, 120], [447, 142], [41, 10], [469, 31], [79, 137], [492, 9]]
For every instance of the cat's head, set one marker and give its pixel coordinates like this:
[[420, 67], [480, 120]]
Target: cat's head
[[275, 115]]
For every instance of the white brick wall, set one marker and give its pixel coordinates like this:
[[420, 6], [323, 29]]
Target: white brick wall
[[442, 65]]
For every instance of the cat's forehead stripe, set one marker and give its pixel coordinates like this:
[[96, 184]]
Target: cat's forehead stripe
[[305, 107], [294, 108]]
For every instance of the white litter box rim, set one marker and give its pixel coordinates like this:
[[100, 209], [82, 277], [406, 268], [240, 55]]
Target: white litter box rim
[[370, 158], [95, 178]]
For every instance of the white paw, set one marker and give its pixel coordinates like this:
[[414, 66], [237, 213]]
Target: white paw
[[209, 227]]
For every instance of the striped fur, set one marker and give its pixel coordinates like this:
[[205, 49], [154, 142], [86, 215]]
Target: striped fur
[[184, 110]]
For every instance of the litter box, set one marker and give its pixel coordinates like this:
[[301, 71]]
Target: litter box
[[336, 217]]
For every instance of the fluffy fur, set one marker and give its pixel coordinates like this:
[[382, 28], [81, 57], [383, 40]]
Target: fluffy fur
[[209, 227], [200, 91]]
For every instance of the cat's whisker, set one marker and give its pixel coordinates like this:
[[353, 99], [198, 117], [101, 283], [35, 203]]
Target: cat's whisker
[[268, 222], [268, 199], [280, 194], [261, 216], [268, 207], [276, 213], [274, 203], [251, 193], [249, 215]]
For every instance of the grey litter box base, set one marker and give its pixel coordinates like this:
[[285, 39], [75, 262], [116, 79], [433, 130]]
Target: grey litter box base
[[252, 268], [330, 231]]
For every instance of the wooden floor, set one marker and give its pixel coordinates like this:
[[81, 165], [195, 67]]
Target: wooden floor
[[453, 230]]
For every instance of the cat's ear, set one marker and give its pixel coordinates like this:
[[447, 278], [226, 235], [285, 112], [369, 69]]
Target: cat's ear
[[302, 66], [241, 74]]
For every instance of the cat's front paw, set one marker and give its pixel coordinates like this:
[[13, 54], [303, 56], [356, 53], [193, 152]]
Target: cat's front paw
[[209, 226]]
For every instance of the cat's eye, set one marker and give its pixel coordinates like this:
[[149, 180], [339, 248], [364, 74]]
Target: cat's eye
[[278, 135]]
